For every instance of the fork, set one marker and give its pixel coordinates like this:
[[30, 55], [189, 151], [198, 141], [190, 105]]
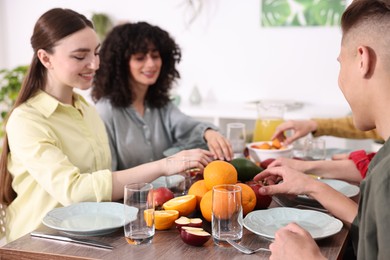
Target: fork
[[244, 249]]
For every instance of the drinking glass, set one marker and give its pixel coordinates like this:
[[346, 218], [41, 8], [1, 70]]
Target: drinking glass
[[227, 216], [180, 182], [236, 134], [139, 229], [270, 115], [315, 149], [299, 148]]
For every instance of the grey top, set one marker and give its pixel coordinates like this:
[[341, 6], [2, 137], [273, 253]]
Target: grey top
[[135, 140], [372, 223]]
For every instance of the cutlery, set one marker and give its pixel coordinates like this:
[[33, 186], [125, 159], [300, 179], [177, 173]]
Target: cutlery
[[83, 241], [244, 249]]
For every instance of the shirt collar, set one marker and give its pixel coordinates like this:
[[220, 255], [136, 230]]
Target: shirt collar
[[47, 104]]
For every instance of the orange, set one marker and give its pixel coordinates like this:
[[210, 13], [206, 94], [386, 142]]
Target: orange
[[206, 205], [198, 189], [184, 204], [163, 219], [219, 172], [224, 205], [223, 208], [265, 146], [276, 143], [248, 198]]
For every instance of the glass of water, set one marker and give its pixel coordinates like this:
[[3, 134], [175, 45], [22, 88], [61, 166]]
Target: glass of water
[[139, 213], [236, 134], [315, 149], [227, 216]]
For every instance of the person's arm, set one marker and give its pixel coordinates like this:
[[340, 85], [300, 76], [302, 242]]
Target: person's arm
[[218, 145], [339, 127], [150, 171], [299, 128], [342, 127], [341, 169], [296, 183], [191, 133]]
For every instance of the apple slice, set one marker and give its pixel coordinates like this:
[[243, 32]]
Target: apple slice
[[194, 236], [188, 222]]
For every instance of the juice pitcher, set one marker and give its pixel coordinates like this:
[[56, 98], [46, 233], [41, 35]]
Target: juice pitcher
[[270, 115]]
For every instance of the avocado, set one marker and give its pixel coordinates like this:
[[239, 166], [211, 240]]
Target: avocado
[[246, 169]]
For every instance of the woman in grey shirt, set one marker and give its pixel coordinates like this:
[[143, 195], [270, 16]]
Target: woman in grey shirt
[[137, 70]]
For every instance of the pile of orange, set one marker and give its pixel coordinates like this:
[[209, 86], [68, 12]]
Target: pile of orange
[[248, 198], [217, 173], [200, 197], [198, 189]]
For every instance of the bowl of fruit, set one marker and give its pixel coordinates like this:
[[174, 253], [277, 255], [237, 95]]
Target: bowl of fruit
[[261, 151]]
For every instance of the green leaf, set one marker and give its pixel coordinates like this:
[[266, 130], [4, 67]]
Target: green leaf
[[302, 12], [325, 13], [10, 83], [275, 12]]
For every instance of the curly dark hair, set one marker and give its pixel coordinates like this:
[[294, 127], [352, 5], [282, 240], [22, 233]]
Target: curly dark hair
[[112, 80]]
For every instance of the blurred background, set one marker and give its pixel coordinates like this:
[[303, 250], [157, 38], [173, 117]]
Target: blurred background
[[230, 56], [227, 52]]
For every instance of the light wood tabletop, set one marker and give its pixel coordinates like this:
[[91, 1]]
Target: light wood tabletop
[[166, 244]]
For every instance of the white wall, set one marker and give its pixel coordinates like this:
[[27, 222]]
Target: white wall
[[226, 52], [2, 36]]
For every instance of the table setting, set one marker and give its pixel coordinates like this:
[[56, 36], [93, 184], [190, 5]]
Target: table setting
[[136, 227], [100, 230]]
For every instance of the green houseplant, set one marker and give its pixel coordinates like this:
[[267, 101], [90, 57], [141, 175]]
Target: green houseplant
[[10, 83], [102, 24]]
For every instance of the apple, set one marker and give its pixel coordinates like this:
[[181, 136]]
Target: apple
[[161, 195], [194, 236], [262, 201], [188, 222], [264, 164]]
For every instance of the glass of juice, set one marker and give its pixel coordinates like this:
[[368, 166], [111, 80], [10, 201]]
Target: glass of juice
[[270, 115]]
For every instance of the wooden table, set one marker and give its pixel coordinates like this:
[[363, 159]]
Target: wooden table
[[166, 244]]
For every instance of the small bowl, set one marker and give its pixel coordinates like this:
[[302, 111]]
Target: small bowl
[[259, 155]]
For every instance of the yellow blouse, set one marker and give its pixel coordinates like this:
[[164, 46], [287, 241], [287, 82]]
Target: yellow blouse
[[59, 155]]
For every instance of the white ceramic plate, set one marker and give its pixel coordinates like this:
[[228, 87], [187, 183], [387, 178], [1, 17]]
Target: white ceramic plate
[[88, 218], [266, 222], [343, 187]]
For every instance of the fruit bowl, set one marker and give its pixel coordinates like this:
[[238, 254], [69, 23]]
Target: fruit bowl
[[258, 154]]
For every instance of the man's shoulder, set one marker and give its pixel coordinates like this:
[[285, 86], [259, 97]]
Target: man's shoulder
[[380, 170]]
